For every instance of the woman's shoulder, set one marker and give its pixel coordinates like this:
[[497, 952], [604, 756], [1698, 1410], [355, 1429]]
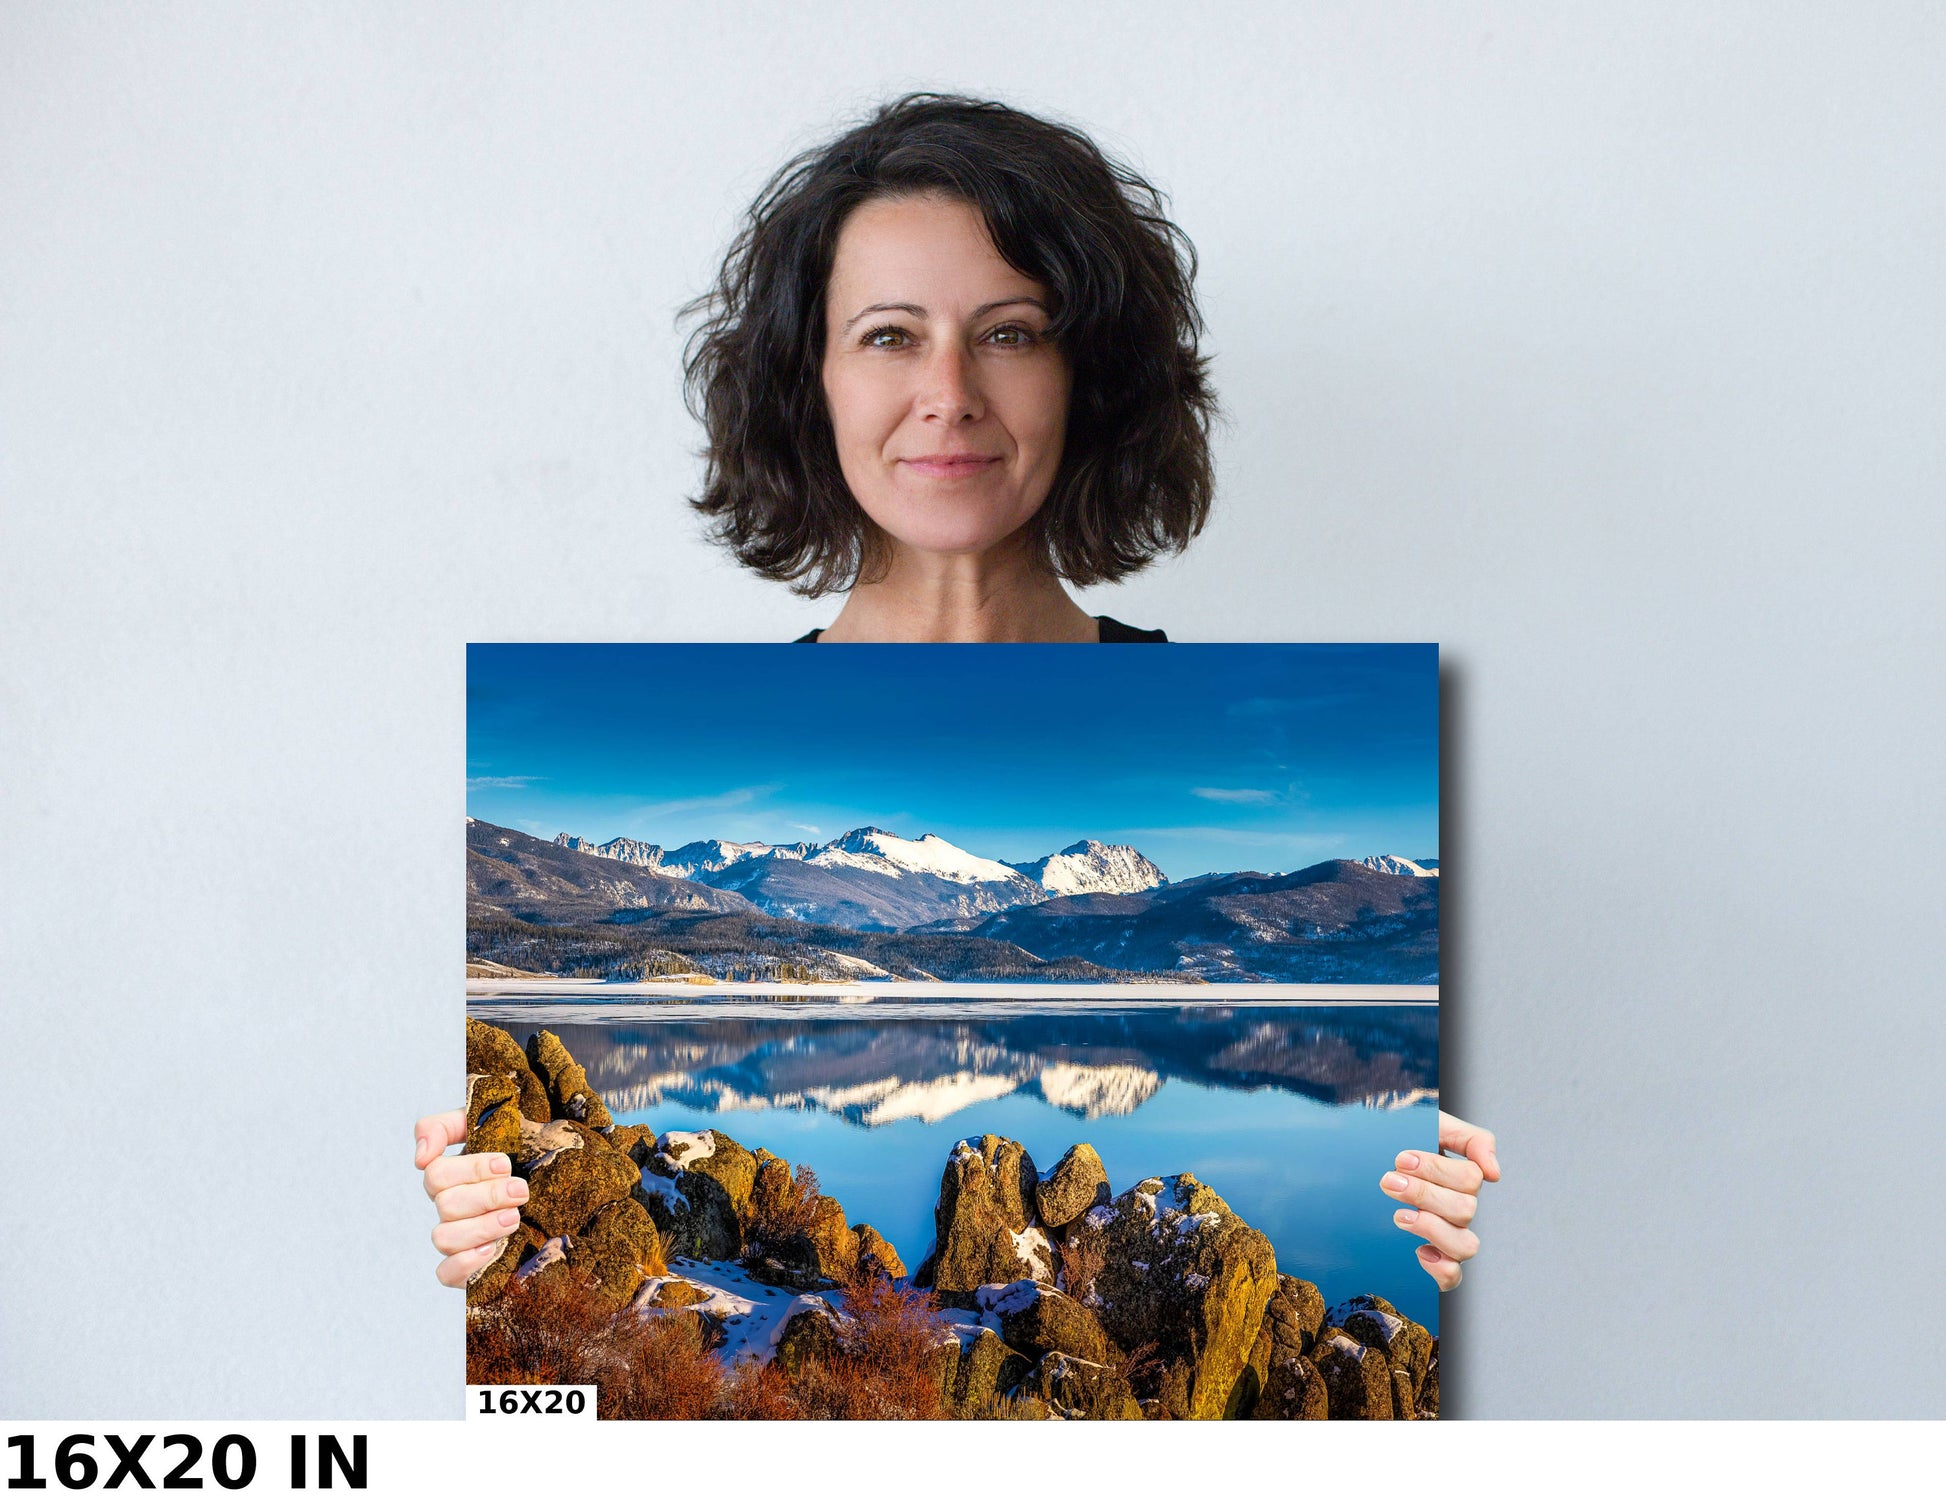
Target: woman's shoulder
[[1111, 631]]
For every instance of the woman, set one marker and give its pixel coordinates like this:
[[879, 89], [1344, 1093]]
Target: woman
[[950, 367]]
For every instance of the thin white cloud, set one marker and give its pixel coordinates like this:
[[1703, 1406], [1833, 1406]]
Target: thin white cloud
[[800, 825], [1237, 796], [728, 799], [513, 781]]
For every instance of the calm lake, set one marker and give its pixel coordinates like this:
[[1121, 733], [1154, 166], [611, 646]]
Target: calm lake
[[1291, 1113]]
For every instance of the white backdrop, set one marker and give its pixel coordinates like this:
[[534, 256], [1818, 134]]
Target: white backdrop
[[1601, 345]]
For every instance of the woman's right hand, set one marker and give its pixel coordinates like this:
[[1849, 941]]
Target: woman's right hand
[[478, 1197]]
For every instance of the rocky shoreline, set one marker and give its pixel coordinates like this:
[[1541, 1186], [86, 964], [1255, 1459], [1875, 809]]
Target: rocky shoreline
[[1044, 1294]]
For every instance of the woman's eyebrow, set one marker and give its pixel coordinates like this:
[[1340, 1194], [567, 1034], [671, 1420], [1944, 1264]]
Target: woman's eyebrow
[[918, 313], [912, 308]]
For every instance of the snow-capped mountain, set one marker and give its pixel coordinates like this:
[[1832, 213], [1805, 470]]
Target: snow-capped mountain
[[1094, 867], [876, 850], [872, 879], [1402, 866], [700, 858], [621, 849]]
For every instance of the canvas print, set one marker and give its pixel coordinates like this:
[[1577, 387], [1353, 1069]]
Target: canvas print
[[928, 1031]]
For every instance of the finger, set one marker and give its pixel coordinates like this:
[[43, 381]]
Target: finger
[[457, 1169], [460, 1267], [1441, 1169], [473, 1198], [1475, 1142], [1444, 1271], [1454, 1206], [436, 1134], [472, 1232], [1456, 1243]]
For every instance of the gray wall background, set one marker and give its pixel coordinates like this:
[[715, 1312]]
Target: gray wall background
[[1602, 345]]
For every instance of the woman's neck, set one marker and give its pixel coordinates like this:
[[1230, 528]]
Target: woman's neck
[[1005, 595]]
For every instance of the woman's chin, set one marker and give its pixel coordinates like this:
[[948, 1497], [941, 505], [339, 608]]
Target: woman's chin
[[956, 538]]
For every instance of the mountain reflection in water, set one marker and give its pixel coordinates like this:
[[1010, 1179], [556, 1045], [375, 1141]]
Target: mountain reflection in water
[[1291, 1113]]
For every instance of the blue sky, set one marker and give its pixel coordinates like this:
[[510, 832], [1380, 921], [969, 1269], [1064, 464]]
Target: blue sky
[[1204, 757]]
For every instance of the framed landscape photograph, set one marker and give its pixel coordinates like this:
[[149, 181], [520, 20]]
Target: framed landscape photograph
[[942, 1031]]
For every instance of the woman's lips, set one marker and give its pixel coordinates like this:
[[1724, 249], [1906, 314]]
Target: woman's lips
[[951, 466]]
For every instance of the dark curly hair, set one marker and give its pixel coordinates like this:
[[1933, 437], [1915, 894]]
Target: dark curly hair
[[1135, 477]]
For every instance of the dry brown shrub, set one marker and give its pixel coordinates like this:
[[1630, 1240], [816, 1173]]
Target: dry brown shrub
[[555, 1330], [1081, 1261], [661, 1368], [884, 1370], [547, 1330]]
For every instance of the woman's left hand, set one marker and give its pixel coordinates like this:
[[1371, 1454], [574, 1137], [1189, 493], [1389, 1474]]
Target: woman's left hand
[[1441, 1194]]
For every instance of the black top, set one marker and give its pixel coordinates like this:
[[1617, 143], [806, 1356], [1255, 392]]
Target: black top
[[1111, 631]]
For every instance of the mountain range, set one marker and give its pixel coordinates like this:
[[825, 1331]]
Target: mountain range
[[872, 903]]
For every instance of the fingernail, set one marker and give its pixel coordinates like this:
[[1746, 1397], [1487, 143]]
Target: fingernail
[[500, 1165], [422, 1150], [1405, 1216], [1494, 1160], [510, 1218], [1408, 1161], [516, 1190], [1394, 1182], [1429, 1253]]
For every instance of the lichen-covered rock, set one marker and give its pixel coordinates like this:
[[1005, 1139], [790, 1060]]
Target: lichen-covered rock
[[1375, 1322], [490, 1279], [811, 1334], [1296, 1315], [875, 1255], [494, 1052], [1037, 1319], [987, 1369], [571, 1174], [693, 1212], [677, 1292], [1076, 1183], [1357, 1378], [636, 1140], [1429, 1390], [773, 1192], [492, 1115], [1076, 1389], [982, 1221], [1405, 1402], [1293, 1390], [620, 1247], [1180, 1269], [716, 1155], [568, 1092]]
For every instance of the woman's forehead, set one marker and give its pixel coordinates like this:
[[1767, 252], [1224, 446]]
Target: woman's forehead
[[926, 250]]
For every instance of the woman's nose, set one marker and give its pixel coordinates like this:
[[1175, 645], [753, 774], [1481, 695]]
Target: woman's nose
[[950, 387]]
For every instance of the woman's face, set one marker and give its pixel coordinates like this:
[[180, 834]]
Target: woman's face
[[948, 402]]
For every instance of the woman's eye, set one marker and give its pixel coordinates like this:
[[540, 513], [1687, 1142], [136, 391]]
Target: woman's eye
[[887, 338], [1012, 336]]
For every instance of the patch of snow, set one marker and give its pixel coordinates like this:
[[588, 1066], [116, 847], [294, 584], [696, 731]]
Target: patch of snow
[[1031, 1248], [753, 1314], [1093, 867], [1009, 1299], [684, 1149], [1100, 1216], [553, 1251], [663, 1188]]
